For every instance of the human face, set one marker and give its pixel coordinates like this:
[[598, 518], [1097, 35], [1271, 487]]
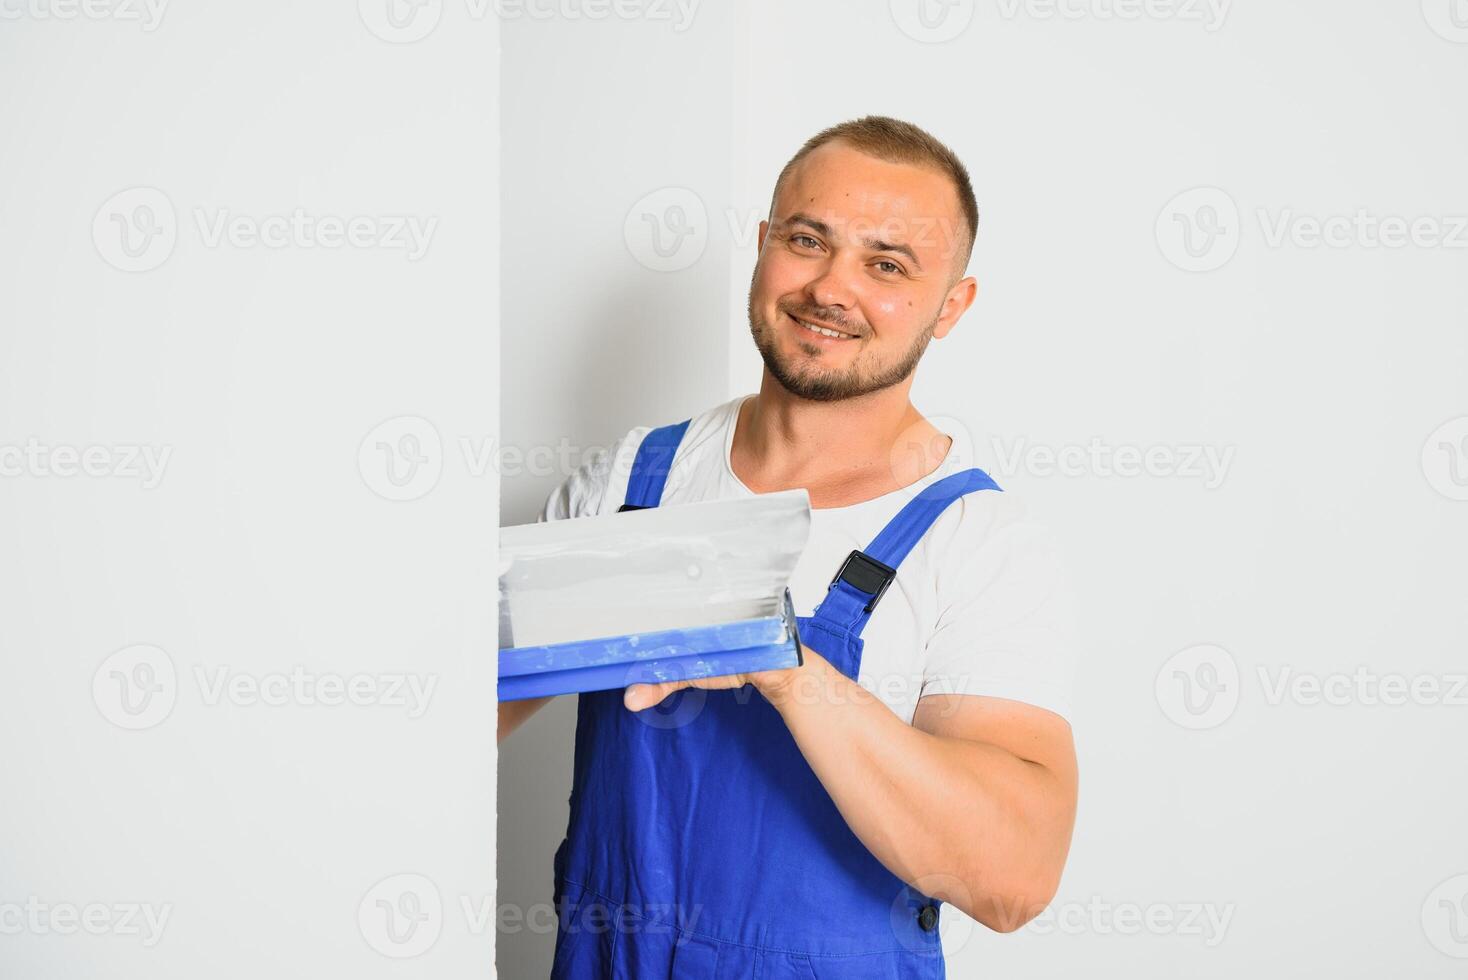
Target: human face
[[867, 250]]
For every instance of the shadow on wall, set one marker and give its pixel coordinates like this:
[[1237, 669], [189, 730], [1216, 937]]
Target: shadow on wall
[[635, 357]]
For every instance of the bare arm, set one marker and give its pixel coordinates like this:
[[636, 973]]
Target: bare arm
[[972, 804], [514, 713]]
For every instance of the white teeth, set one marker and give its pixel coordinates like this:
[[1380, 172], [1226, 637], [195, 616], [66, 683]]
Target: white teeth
[[820, 330]]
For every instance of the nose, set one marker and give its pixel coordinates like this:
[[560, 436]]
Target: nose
[[832, 287]]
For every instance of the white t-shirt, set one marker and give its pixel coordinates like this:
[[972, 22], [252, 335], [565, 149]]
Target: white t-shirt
[[976, 607]]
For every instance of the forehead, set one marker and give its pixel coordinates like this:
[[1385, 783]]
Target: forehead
[[849, 190]]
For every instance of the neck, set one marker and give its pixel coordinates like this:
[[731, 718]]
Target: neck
[[842, 452]]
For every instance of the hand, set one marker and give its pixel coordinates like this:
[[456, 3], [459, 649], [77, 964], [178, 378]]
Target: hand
[[772, 684]]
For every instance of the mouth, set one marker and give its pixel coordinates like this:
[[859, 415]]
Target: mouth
[[819, 331]]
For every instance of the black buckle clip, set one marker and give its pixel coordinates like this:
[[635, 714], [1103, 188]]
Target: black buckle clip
[[865, 574]]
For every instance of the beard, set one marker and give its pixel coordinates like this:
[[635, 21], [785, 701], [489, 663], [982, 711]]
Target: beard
[[805, 378]]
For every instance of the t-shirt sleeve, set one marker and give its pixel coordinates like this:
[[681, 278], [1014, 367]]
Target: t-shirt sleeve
[[586, 492], [1004, 629], [581, 493]]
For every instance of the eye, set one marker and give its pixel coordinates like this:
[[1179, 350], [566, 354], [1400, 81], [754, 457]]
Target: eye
[[805, 241], [889, 267]]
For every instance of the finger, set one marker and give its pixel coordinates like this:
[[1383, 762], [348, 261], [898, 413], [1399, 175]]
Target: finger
[[640, 696]]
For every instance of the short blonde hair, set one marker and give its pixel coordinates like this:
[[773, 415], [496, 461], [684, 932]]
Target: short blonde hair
[[896, 141]]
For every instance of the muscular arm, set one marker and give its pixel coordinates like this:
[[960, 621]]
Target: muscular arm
[[972, 804]]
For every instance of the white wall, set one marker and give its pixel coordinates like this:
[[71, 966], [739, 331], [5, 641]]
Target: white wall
[[260, 835]]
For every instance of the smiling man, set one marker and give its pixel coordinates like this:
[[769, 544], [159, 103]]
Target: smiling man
[[809, 822]]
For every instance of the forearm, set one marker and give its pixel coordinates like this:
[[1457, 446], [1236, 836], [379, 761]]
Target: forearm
[[512, 714], [964, 821]]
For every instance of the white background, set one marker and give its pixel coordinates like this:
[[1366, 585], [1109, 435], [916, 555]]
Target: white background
[[1326, 837], [261, 830]]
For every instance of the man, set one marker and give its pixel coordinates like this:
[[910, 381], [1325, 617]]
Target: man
[[808, 822]]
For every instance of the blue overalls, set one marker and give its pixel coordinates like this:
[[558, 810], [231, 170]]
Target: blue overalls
[[701, 844]]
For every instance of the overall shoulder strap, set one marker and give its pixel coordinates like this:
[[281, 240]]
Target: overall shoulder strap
[[650, 468], [864, 575]]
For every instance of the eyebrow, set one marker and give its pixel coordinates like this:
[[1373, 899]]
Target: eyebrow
[[876, 244]]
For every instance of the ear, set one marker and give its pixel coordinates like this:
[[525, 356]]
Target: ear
[[764, 226], [955, 305]]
